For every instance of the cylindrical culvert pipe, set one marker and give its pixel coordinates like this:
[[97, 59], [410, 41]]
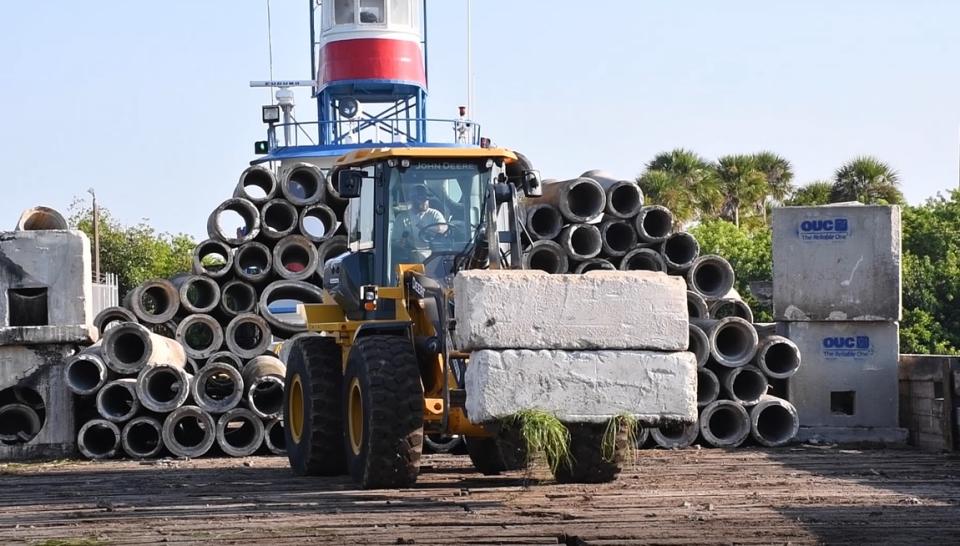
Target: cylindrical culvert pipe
[[642, 436], [774, 422], [142, 437], [708, 387], [291, 292], [235, 222], [546, 256], [624, 197], [733, 341], [155, 301], [330, 249], [699, 345], [273, 437], [303, 185], [278, 218], [744, 385], [213, 259], [697, 306], [543, 221], [198, 294], [596, 264], [729, 307], [643, 259], [117, 401], [295, 258], [85, 372], [580, 241], [239, 432], [253, 263], [581, 200], [41, 219], [711, 276], [618, 237], [225, 357], [192, 367], [318, 223], [200, 335], [724, 423], [111, 316], [98, 439], [680, 251], [778, 357], [218, 388], [653, 224], [189, 432], [163, 388], [248, 336], [257, 184], [263, 378], [128, 347], [167, 329], [237, 298], [19, 424], [675, 435]]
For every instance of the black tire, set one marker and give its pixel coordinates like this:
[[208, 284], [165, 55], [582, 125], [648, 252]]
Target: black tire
[[384, 445], [439, 443], [315, 364], [485, 455], [588, 463]]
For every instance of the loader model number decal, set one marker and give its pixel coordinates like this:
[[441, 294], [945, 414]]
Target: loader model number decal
[[855, 347], [837, 229]]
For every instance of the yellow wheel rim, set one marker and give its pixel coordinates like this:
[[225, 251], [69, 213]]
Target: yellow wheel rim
[[355, 416], [296, 409]]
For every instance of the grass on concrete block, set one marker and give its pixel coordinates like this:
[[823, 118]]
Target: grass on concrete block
[[609, 443], [543, 433]]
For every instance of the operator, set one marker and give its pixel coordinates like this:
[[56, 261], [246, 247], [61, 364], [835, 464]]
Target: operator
[[420, 225]]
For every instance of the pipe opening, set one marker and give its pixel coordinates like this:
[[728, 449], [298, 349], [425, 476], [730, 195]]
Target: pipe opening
[[585, 241], [726, 424], [117, 401], [239, 298], [234, 222], [619, 237], [656, 223], [696, 307], [276, 437], [199, 336], [545, 222], [749, 384], [287, 294], [84, 374], [219, 386], [40, 219], [733, 342], [240, 432], [18, 424], [130, 348], [595, 265], [642, 260], [189, 431], [294, 258], [681, 249], [257, 184], [248, 335], [708, 387], [99, 440], [781, 358], [731, 308], [163, 385], [155, 300], [625, 199], [546, 259], [776, 424], [202, 293], [674, 431], [709, 278], [332, 248], [143, 438], [279, 216], [212, 257], [302, 184], [253, 259], [112, 317], [266, 395], [318, 223], [586, 200]]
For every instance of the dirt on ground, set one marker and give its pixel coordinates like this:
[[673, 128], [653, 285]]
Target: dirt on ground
[[796, 495]]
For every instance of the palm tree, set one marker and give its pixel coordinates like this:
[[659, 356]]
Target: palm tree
[[779, 173], [868, 180], [741, 182], [682, 181], [814, 193]]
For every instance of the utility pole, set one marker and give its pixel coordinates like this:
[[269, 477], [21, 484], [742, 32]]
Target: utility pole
[[96, 236]]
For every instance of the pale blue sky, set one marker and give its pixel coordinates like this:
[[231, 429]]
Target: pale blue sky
[[148, 101]]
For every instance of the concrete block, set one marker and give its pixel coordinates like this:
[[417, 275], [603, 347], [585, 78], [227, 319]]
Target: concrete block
[[635, 310], [849, 373], [836, 263], [879, 436], [45, 288], [583, 386]]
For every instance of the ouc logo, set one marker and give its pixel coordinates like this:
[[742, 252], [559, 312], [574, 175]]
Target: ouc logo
[[836, 229], [856, 347]]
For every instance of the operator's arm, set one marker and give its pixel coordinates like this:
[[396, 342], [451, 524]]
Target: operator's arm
[[436, 217]]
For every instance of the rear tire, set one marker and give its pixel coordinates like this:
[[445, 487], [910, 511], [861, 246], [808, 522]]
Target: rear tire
[[313, 428], [383, 412], [589, 465]]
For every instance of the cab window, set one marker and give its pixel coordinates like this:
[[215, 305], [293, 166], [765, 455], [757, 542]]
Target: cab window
[[361, 212], [344, 12], [401, 13], [371, 11]]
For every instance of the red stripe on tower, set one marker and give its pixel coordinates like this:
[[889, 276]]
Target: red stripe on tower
[[372, 59]]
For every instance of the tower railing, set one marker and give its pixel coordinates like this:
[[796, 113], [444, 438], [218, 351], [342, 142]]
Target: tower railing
[[366, 131]]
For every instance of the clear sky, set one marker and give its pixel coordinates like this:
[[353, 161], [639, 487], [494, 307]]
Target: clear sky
[[148, 102]]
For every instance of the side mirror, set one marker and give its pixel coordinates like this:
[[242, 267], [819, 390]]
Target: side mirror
[[532, 185], [349, 183]]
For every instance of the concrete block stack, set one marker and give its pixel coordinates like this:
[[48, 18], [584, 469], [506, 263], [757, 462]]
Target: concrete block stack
[[836, 294]]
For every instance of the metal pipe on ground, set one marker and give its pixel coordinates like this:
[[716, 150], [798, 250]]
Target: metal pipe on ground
[[580, 241], [774, 421], [675, 435], [653, 224], [237, 298], [218, 388], [618, 237], [200, 335], [111, 316], [253, 263], [330, 249], [318, 223], [546, 256], [85, 372], [278, 219], [189, 432], [708, 387], [248, 335], [697, 306], [303, 184], [199, 294], [257, 184], [234, 222], [699, 345], [595, 264], [288, 291], [643, 259], [744, 385], [163, 388], [711, 276], [129, 347], [580, 200], [724, 423], [263, 379], [733, 341], [624, 197], [274, 437], [213, 259], [778, 357], [41, 219], [729, 307], [680, 251], [19, 423], [142, 437], [543, 221], [295, 258], [239, 432], [117, 401], [154, 302], [98, 439]]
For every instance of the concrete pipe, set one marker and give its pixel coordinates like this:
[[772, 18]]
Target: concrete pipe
[[543, 221], [278, 218], [85, 372], [200, 335], [774, 421], [699, 345], [163, 388], [744, 385], [198, 294], [330, 249], [117, 401], [546, 256], [155, 301], [19, 424], [580, 241], [218, 388], [192, 367], [189, 432], [263, 379], [711, 276], [318, 223], [708, 387], [142, 437], [248, 336], [111, 316], [226, 357], [729, 307], [765, 329], [295, 258], [239, 432], [274, 437], [624, 197], [98, 439], [675, 435], [618, 237], [129, 347], [581, 200], [303, 185], [236, 298], [680, 251], [235, 221], [733, 341], [697, 306], [778, 357], [167, 329], [596, 264], [643, 259], [213, 259], [653, 224], [291, 292], [253, 263], [724, 423], [642, 436], [257, 184], [41, 219]]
